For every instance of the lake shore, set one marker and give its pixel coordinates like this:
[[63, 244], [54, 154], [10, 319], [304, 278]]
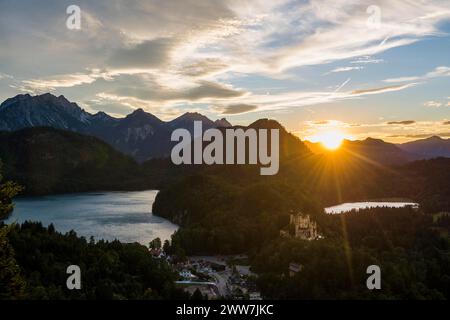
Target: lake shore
[[125, 216]]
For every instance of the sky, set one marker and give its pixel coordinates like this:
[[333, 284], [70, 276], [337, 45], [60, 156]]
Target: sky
[[365, 68]]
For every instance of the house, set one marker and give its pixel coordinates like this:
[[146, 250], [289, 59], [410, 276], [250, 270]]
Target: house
[[187, 275], [217, 267], [255, 296], [294, 268]]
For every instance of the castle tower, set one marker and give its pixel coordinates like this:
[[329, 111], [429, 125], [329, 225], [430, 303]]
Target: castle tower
[[304, 227]]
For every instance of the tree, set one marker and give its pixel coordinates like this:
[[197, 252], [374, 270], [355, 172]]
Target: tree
[[11, 283], [197, 295], [166, 247], [8, 190], [110, 270], [155, 244]]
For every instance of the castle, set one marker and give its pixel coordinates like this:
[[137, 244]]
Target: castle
[[302, 226]]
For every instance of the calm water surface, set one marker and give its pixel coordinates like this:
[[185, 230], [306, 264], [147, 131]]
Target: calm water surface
[[346, 207], [125, 216]]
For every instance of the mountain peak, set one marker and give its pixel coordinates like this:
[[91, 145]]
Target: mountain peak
[[37, 99], [138, 111], [190, 117], [373, 140], [141, 113], [428, 148], [15, 99], [267, 124], [139, 117], [222, 123], [103, 116], [46, 95]]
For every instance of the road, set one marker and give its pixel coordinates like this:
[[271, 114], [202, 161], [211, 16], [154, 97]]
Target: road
[[221, 281]]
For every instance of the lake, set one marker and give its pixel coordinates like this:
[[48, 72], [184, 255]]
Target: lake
[[346, 207], [125, 216]]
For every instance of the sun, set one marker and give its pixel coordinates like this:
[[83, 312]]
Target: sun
[[331, 140]]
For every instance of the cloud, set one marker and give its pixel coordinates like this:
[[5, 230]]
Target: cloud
[[5, 76], [153, 89], [61, 81], [345, 69], [116, 109], [441, 71], [402, 79], [287, 100], [396, 133], [120, 106], [200, 90], [404, 122], [383, 89], [207, 52], [236, 108], [326, 123], [204, 67], [367, 60], [207, 89], [340, 30], [432, 104], [148, 54], [146, 89], [321, 122]]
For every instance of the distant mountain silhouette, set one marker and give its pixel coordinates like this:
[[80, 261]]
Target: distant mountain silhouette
[[140, 134], [144, 136], [370, 149], [24, 111], [47, 160], [432, 147], [223, 123]]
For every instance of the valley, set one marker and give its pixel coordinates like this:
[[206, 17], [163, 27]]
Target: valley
[[215, 210]]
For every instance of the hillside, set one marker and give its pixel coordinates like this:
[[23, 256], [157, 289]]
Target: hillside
[[432, 147], [375, 150], [47, 160], [241, 209]]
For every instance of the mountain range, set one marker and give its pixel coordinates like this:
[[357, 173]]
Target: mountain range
[[428, 148], [140, 134], [370, 149], [144, 136], [386, 153]]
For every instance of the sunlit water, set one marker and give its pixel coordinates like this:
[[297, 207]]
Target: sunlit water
[[346, 207], [125, 216]]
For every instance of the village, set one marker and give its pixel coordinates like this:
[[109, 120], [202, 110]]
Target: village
[[229, 276], [215, 277]]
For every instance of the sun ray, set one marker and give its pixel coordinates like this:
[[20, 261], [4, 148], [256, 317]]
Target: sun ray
[[330, 139]]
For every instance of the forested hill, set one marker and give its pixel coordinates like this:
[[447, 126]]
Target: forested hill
[[47, 160], [111, 270], [230, 209]]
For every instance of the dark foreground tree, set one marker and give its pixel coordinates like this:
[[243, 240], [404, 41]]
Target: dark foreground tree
[[8, 190], [11, 282]]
